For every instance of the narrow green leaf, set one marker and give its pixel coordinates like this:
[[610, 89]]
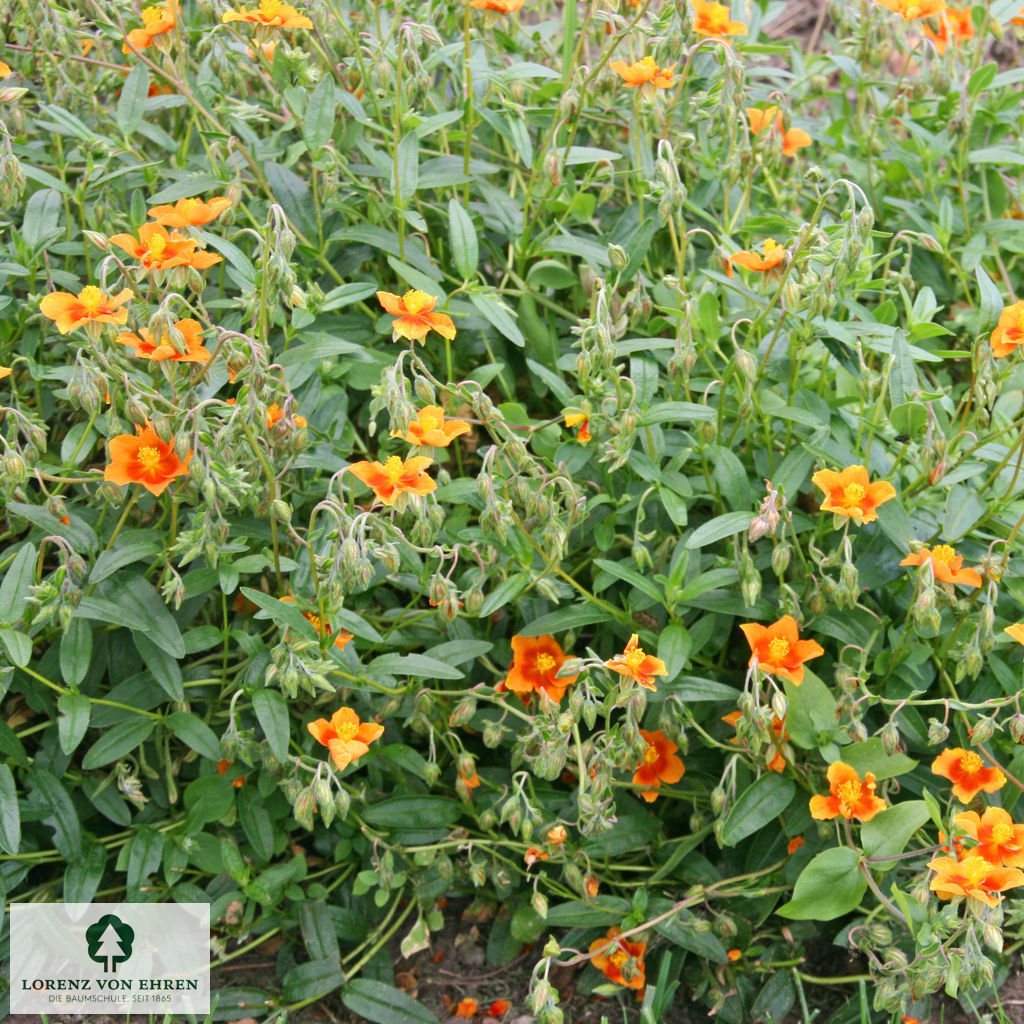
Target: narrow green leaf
[[384, 1004], [10, 816], [417, 666], [318, 120], [131, 106], [721, 526], [18, 646], [272, 712], [504, 592], [121, 739], [497, 314], [760, 804], [16, 587], [462, 235], [75, 710], [192, 730], [888, 833], [41, 223], [138, 606], [631, 576]]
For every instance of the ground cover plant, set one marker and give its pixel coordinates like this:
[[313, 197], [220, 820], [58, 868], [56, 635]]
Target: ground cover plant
[[563, 456]]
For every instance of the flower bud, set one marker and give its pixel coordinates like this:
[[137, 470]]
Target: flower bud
[[14, 468], [781, 556], [431, 773], [592, 887], [324, 800], [890, 737], [983, 731], [303, 808], [342, 802], [540, 904], [557, 835], [463, 712]]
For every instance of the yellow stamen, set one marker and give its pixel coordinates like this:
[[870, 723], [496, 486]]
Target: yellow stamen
[[848, 794], [974, 868], [429, 420], [970, 763], [544, 662], [651, 754], [619, 959], [778, 648], [853, 494], [347, 730], [394, 468], [1002, 833], [943, 553], [91, 298], [149, 458]]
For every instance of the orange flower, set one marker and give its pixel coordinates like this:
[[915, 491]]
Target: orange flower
[[142, 458], [712, 19], [735, 954], [1016, 631], [5, 371], [533, 855], [1009, 332], [593, 887], [186, 213], [5, 70], [271, 13], [146, 348], [945, 563], [615, 954], [155, 21], [345, 736], [849, 796], [389, 479], [156, 250], [909, 10], [535, 664], [557, 835], [973, 876], [340, 641], [89, 306], [415, 317], [794, 844], [275, 414], [579, 419], [850, 493], [431, 428], [498, 1008], [502, 6], [645, 75], [640, 667], [779, 649], [792, 140], [660, 764], [774, 254], [968, 773], [955, 25], [1000, 838]]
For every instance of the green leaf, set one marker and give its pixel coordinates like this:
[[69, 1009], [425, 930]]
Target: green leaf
[[462, 235], [117, 741], [902, 372], [192, 730], [407, 166], [80, 536], [991, 300], [674, 643], [18, 646], [758, 805], [831, 885], [504, 592], [131, 106], [284, 613], [67, 832], [166, 670], [721, 526], [908, 418], [139, 607], [888, 832], [686, 931], [418, 666], [293, 195], [419, 811], [76, 651], [16, 587], [498, 315], [630, 575], [207, 799], [272, 713], [318, 120], [10, 817], [677, 413], [573, 617], [869, 756], [384, 1004], [318, 932], [186, 188], [693, 688], [84, 874], [75, 710], [41, 223], [127, 551], [812, 711], [313, 979]]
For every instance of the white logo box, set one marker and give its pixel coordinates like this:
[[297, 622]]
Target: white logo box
[[110, 957]]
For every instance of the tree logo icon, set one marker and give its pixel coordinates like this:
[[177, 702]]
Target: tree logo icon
[[110, 941]]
